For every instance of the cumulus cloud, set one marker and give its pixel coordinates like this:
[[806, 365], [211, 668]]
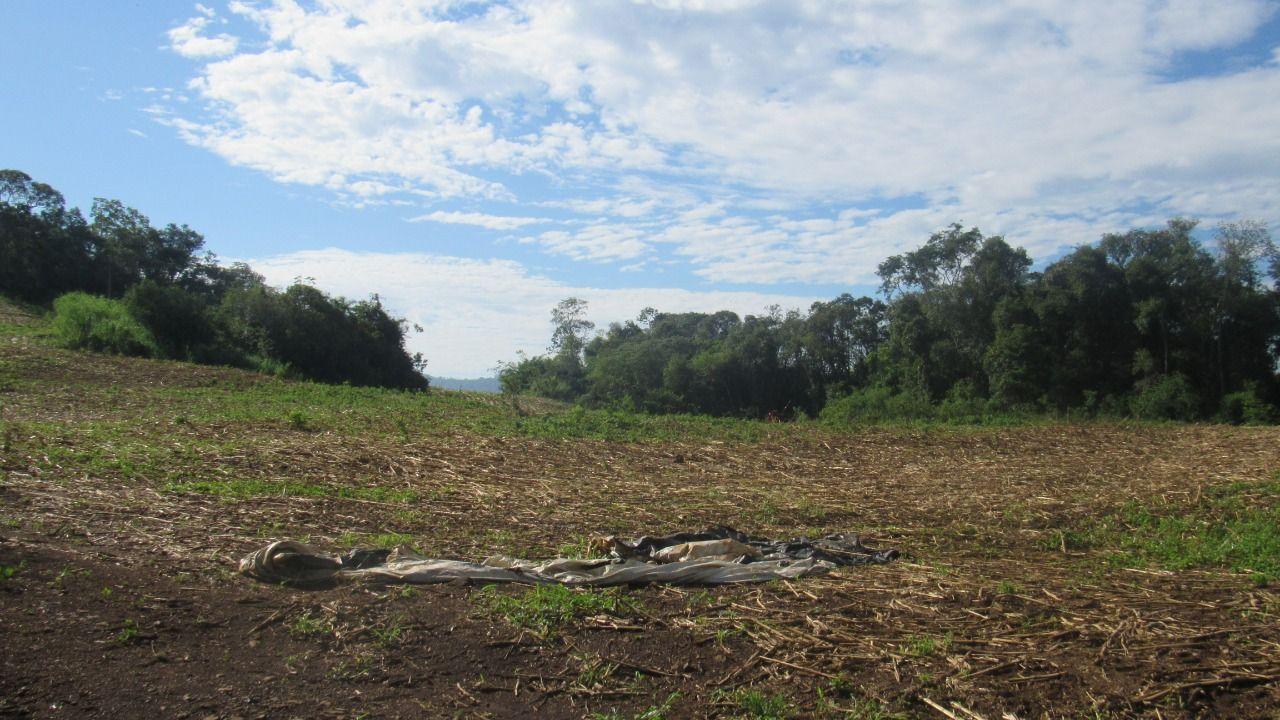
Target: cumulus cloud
[[491, 222], [476, 313], [1048, 121], [189, 39]]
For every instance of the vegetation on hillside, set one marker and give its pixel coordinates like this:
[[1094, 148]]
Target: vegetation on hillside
[[1149, 324], [121, 285]]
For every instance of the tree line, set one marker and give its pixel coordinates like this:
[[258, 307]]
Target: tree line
[[1149, 323], [119, 284]]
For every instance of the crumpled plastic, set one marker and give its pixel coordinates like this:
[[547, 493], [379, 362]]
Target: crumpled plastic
[[717, 556]]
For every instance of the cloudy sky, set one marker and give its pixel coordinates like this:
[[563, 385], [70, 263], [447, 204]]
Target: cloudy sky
[[475, 162]]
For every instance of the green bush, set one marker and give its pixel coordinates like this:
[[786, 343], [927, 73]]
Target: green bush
[[963, 404], [1166, 397], [88, 322], [1246, 408], [177, 320], [877, 404]]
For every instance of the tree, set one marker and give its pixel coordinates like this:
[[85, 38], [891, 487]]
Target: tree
[[570, 327], [123, 237]]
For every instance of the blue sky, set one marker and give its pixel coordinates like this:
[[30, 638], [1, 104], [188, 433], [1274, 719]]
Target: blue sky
[[476, 162]]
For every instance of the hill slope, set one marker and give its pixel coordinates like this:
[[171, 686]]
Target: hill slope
[[1069, 569]]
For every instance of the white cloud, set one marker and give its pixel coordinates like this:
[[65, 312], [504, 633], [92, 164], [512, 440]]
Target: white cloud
[[670, 126], [491, 222], [476, 313], [189, 40]]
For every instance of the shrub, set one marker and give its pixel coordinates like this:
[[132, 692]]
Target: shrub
[[88, 322], [963, 403], [177, 319], [1166, 397], [877, 404], [1246, 408]]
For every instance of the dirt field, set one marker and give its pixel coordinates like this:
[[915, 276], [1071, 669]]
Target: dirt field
[[1073, 571]]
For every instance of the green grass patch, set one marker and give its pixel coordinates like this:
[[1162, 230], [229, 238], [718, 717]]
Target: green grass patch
[[307, 625], [250, 488], [543, 608], [380, 540], [1233, 527], [927, 645], [755, 704]]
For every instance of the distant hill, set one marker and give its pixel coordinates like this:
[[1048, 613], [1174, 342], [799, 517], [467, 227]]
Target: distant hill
[[485, 385]]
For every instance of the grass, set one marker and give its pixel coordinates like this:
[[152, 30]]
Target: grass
[[1233, 527], [543, 608], [391, 633], [920, 646], [386, 541], [653, 712], [249, 488], [755, 704], [307, 626]]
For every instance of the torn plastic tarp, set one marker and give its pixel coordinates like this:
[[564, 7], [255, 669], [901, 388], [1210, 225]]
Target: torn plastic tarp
[[717, 556]]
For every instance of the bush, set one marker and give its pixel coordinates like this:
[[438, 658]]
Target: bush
[[963, 404], [1246, 408], [88, 322], [177, 319], [1166, 397], [875, 405]]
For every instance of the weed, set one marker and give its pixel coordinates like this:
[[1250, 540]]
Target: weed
[[391, 633], [543, 608], [653, 712], [381, 540], [1008, 587], [298, 420], [305, 625], [753, 704], [580, 548], [129, 633], [240, 489], [360, 666], [926, 645], [594, 672], [858, 708], [1235, 527], [8, 572]]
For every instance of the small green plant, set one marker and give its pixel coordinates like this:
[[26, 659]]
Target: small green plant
[[653, 712], [298, 420], [107, 592], [926, 645], [595, 671], [129, 633], [391, 633], [8, 572], [306, 625], [1007, 587], [580, 548], [754, 704]]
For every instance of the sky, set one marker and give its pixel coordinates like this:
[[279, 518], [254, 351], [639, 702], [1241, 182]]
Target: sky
[[474, 163]]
